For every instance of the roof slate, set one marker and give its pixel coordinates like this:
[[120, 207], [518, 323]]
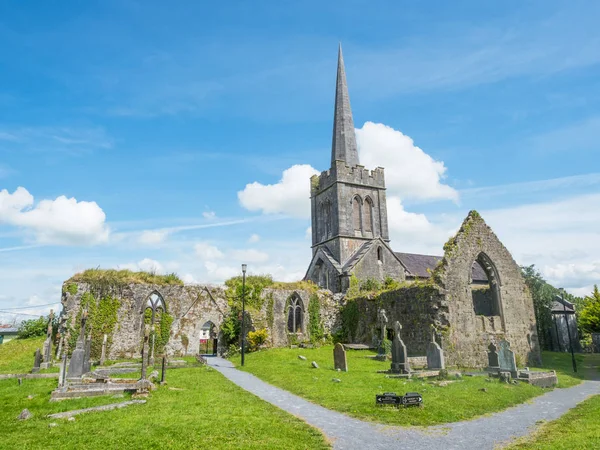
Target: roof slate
[[422, 266]]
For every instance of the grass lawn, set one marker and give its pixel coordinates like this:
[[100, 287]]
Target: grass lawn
[[355, 395], [16, 355], [577, 429], [206, 411]]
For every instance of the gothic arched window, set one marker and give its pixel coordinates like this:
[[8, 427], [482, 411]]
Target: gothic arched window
[[368, 215], [356, 214], [295, 310], [485, 287]]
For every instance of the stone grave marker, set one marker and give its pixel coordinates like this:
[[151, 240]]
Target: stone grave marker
[[506, 358], [62, 372], [87, 365], [76, 365], [399, 355], [37, 361], [381, 353], [493, 357], [47, 348], [103, 354], [435, 355], [339, 358], [163, 372]]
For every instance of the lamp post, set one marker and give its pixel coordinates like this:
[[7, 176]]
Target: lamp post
[[562, 298], [243, 309]]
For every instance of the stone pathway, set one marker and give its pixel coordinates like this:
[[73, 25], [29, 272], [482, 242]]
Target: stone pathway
[[485, 432]]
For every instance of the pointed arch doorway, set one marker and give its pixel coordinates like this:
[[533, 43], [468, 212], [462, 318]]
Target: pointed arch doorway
[[208, 339]]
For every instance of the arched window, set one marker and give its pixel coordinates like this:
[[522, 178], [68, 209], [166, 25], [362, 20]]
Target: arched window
[[380, 255], [368, 215], [485, 287], [152, 313], [295, 313], [356, 219]]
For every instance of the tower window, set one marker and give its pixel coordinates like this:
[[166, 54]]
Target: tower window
[[368, 215], [379, 255], [356, 214]]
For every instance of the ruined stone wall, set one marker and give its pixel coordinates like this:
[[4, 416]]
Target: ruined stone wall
[[469, 334], [417, 308], [191, 306]]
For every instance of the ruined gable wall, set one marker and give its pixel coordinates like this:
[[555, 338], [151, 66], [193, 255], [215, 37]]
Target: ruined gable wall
[[468, 335]]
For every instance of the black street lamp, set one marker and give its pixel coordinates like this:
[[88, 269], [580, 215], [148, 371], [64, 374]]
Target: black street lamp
[[562, 298], [243, 309]]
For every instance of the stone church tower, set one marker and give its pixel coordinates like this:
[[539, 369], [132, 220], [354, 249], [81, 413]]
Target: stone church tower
[[348, 210]]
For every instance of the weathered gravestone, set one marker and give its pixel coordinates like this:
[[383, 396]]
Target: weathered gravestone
[[493, 357], [87, 364], [62, 372], [435, 355], [506, 358], [76, 365], [37, 361], [103, 353], [339, 358], [381, 352], [47, 349], [399, 355]]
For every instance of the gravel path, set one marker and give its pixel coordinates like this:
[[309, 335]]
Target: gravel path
[[348, 433]]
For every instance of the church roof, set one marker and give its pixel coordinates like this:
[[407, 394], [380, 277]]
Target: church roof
[[343, 145], [422, 266], [560, 307]]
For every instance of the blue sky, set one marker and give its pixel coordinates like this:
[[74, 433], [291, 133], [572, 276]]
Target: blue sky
[[133, 130]]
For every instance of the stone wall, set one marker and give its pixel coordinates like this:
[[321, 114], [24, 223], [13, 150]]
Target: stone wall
[[191, 306], [469, 334], [417, 308]]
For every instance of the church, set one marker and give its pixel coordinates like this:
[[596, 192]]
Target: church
[[349, 215]]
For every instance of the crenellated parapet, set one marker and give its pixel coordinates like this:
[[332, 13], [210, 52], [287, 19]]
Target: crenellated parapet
[[340, 172]]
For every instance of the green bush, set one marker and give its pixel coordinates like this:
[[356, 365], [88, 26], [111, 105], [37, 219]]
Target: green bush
[[33, 328], [254, 287], [257, 338]]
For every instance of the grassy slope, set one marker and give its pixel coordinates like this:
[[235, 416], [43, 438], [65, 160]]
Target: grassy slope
[[210, 412], [355, 395], [17, 355]]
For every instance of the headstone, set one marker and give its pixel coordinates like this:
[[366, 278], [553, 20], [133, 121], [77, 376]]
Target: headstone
[[76, 365], [381, 353], [37, 361], [399, 355], [87, 365], [62, 372], [339, 358], [506, 358], [493, 356], [163, 372], [103, 354], [435, 355], [144, 357], [47, 352]]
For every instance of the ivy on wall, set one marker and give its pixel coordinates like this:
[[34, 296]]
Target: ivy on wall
[[350, 319], [101, 320], [316, 330]]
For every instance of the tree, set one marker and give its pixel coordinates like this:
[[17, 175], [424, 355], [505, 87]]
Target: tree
[[589, 317], [33, 328], [543, 296]]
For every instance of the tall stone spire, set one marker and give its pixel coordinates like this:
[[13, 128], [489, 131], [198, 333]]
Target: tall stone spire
[[344, 140]]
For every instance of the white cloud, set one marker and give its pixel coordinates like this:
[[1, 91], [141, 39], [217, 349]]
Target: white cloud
[[217, 273], [291, 195], [63, 221], [410, 172], [249, 256], [207, 252], [254, 239], [152, 237], [209, 215]]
